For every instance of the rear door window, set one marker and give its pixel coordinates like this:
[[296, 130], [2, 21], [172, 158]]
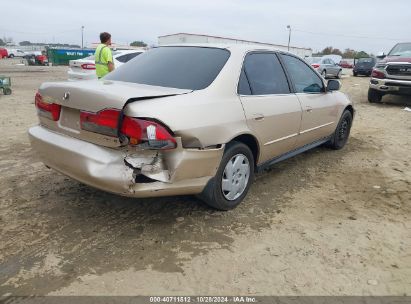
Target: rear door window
[[305, 80], [265, 75]]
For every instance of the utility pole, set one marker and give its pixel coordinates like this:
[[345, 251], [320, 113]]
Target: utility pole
[[82, 36], [289, 36]]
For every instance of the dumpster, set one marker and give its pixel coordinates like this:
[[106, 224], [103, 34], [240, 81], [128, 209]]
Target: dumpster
[[63, 56]]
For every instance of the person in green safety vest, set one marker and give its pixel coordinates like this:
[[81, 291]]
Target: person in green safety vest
[[103, 56]]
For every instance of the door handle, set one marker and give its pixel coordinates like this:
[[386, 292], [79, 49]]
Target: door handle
[[258, 117], [308, 109]]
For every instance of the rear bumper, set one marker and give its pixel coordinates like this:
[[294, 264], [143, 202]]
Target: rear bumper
[[363, 71], [181, 171], [391, 86]]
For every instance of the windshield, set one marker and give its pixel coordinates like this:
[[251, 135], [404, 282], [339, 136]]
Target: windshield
[[401, 49], [316, 59], [89, 57], [193, 68], [365, 60]]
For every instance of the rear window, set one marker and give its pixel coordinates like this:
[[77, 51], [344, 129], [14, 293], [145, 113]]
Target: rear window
[[365, 60], [193, 68]]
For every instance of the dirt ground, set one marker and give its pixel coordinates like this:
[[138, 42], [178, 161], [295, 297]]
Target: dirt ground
[[323, 223]]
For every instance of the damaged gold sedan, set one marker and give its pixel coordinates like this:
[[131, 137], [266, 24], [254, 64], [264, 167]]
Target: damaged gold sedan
[[190, 119]]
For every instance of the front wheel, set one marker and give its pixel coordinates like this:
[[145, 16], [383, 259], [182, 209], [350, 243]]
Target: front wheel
[[233, 178], [339, 74], [374, 96], [324, 74], [11, 56], [342, 132]]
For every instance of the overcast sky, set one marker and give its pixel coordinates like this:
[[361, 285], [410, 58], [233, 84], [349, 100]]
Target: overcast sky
[[371, 26]]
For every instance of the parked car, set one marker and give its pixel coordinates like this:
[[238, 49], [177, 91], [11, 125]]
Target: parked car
[[180, 120], [364, 66], [15, 53], [391, 75], [3, 53], [345, 64], [85, 69], [326, 67]]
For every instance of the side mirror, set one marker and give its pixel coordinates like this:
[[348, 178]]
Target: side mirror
[[333, 85], [381, 55]]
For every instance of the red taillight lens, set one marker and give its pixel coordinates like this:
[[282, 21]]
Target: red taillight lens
[[147, 134], [377, 74], [103, 122], [49, 110], [88, 66], [315, 66]]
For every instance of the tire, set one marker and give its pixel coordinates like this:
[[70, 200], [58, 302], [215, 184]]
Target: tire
[[11, 56], [355, 74], [224, 198], [342, 132], [6, 91], [374, 96], [339, 74], [324, 74]]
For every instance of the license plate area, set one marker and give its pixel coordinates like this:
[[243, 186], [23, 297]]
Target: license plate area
[[70, 119]]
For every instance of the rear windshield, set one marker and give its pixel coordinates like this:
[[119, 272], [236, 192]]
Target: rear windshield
[[365, 60], [193, 68]]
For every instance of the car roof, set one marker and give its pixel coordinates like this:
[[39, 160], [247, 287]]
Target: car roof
[[230, 46]]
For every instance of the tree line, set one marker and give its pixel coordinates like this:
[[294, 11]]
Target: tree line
[[348, 53]]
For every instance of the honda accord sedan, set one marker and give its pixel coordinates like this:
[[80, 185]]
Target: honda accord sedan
[[189, 120]]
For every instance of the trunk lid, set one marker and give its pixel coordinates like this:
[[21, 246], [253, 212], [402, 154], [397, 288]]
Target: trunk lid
[[94, 96]]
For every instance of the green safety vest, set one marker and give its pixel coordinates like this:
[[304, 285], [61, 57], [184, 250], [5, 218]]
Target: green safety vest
[[102, 57]]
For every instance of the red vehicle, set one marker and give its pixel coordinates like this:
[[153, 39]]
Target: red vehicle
[[3, 53], [345, 64]]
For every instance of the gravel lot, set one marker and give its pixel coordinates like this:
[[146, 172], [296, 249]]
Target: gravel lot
[[323, 223]]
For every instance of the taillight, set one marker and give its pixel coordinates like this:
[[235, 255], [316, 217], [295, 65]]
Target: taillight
[[88, 66], [377, 74], [49, 110], [143, 133], [315, 66], [147, 134], [103, 122]]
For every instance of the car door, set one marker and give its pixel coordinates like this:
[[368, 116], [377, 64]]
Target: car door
[[319, 108], [273, 113]]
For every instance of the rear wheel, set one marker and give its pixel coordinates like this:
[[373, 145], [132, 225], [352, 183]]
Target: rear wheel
[[7, 91], [374, 95], [233, 178], [11, 56], [342, 132]]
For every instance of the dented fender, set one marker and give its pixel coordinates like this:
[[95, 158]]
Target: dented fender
[[174, 165]]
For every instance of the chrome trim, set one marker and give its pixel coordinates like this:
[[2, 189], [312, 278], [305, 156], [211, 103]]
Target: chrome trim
[[315, 128], [280, 139], [397, 81]]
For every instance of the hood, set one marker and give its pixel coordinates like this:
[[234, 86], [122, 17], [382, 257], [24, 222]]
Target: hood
[[96, 95], [396, 59]]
